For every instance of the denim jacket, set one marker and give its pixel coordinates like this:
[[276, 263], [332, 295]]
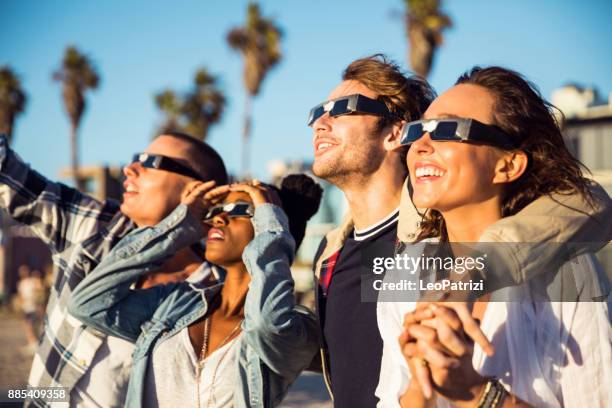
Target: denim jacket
[[279, 338]]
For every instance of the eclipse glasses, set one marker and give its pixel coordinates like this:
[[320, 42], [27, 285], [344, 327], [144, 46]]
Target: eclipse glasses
[[456, 130], [347, 105]]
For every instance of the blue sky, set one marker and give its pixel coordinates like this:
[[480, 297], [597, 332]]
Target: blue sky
[[142, 47]]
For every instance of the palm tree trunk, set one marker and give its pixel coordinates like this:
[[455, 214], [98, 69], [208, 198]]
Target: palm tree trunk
[[6, 124], [422, 48], [9, 133], [246, 134], [205, 128], [6, 279], [74, 158]]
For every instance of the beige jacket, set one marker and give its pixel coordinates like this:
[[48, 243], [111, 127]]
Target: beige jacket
[[556, 219]]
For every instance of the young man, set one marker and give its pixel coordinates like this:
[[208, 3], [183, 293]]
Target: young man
[[356, 133], [79, 232]]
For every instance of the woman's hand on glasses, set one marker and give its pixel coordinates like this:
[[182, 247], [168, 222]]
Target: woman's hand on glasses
[[259, 193], [199, 197]]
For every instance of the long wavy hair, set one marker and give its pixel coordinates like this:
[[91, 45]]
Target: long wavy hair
[[521, 112]]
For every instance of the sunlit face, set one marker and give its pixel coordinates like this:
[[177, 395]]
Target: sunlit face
[[447, 175], [228, 237], [347, 144], [151, 194]]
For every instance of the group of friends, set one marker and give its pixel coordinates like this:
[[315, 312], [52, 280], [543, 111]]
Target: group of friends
[[182, 295]]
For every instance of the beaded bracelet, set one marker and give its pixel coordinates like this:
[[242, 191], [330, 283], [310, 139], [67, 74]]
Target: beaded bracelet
[[494, 394]]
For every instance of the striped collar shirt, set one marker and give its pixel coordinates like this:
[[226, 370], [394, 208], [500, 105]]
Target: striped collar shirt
[[363, 234]]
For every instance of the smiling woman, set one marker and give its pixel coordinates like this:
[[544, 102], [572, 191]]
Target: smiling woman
[[548, 354], [523, 157], [449, 175]]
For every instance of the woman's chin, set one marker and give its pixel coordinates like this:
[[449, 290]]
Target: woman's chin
[[424, 201], [219, 257]]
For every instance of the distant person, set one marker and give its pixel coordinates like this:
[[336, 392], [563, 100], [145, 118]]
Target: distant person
[[40, 298], [241, 343], [31, 294], [80, 231]]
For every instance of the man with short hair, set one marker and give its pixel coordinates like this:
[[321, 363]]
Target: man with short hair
[[354, 142], [355, 135], [79, 232]]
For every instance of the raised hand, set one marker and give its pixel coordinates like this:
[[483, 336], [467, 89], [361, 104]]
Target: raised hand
[[260, 193], [201, 196]]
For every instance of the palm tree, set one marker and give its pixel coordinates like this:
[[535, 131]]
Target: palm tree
[[196, 111], [259, 43], [12, 100], [170, 104], [203, 106], [424, 25], [77, 75]]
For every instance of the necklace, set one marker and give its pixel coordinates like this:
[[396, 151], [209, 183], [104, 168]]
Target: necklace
[[202, 361]]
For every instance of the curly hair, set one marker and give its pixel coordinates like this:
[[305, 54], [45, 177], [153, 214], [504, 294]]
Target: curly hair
[[406, 97]]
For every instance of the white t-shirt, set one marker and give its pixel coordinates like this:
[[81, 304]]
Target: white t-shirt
[[549, 354], [105, 383], [171, 375]]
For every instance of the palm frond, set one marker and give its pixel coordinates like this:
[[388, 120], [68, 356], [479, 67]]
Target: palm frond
[[77, 74], [12, 100], [12, 96], [195, 111], [259, 43]]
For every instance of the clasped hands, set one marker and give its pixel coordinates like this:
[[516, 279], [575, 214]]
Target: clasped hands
[[437, 342]]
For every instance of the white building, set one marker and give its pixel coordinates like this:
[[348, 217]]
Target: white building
[[587, 130]]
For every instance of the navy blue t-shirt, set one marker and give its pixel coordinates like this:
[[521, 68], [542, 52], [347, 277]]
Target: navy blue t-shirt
[[349, 325]]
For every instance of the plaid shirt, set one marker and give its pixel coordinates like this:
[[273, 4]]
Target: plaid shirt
[[79, 232]]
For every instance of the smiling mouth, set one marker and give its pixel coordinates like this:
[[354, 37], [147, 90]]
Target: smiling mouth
[[429, 173], [322, 147], [130, 189]]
